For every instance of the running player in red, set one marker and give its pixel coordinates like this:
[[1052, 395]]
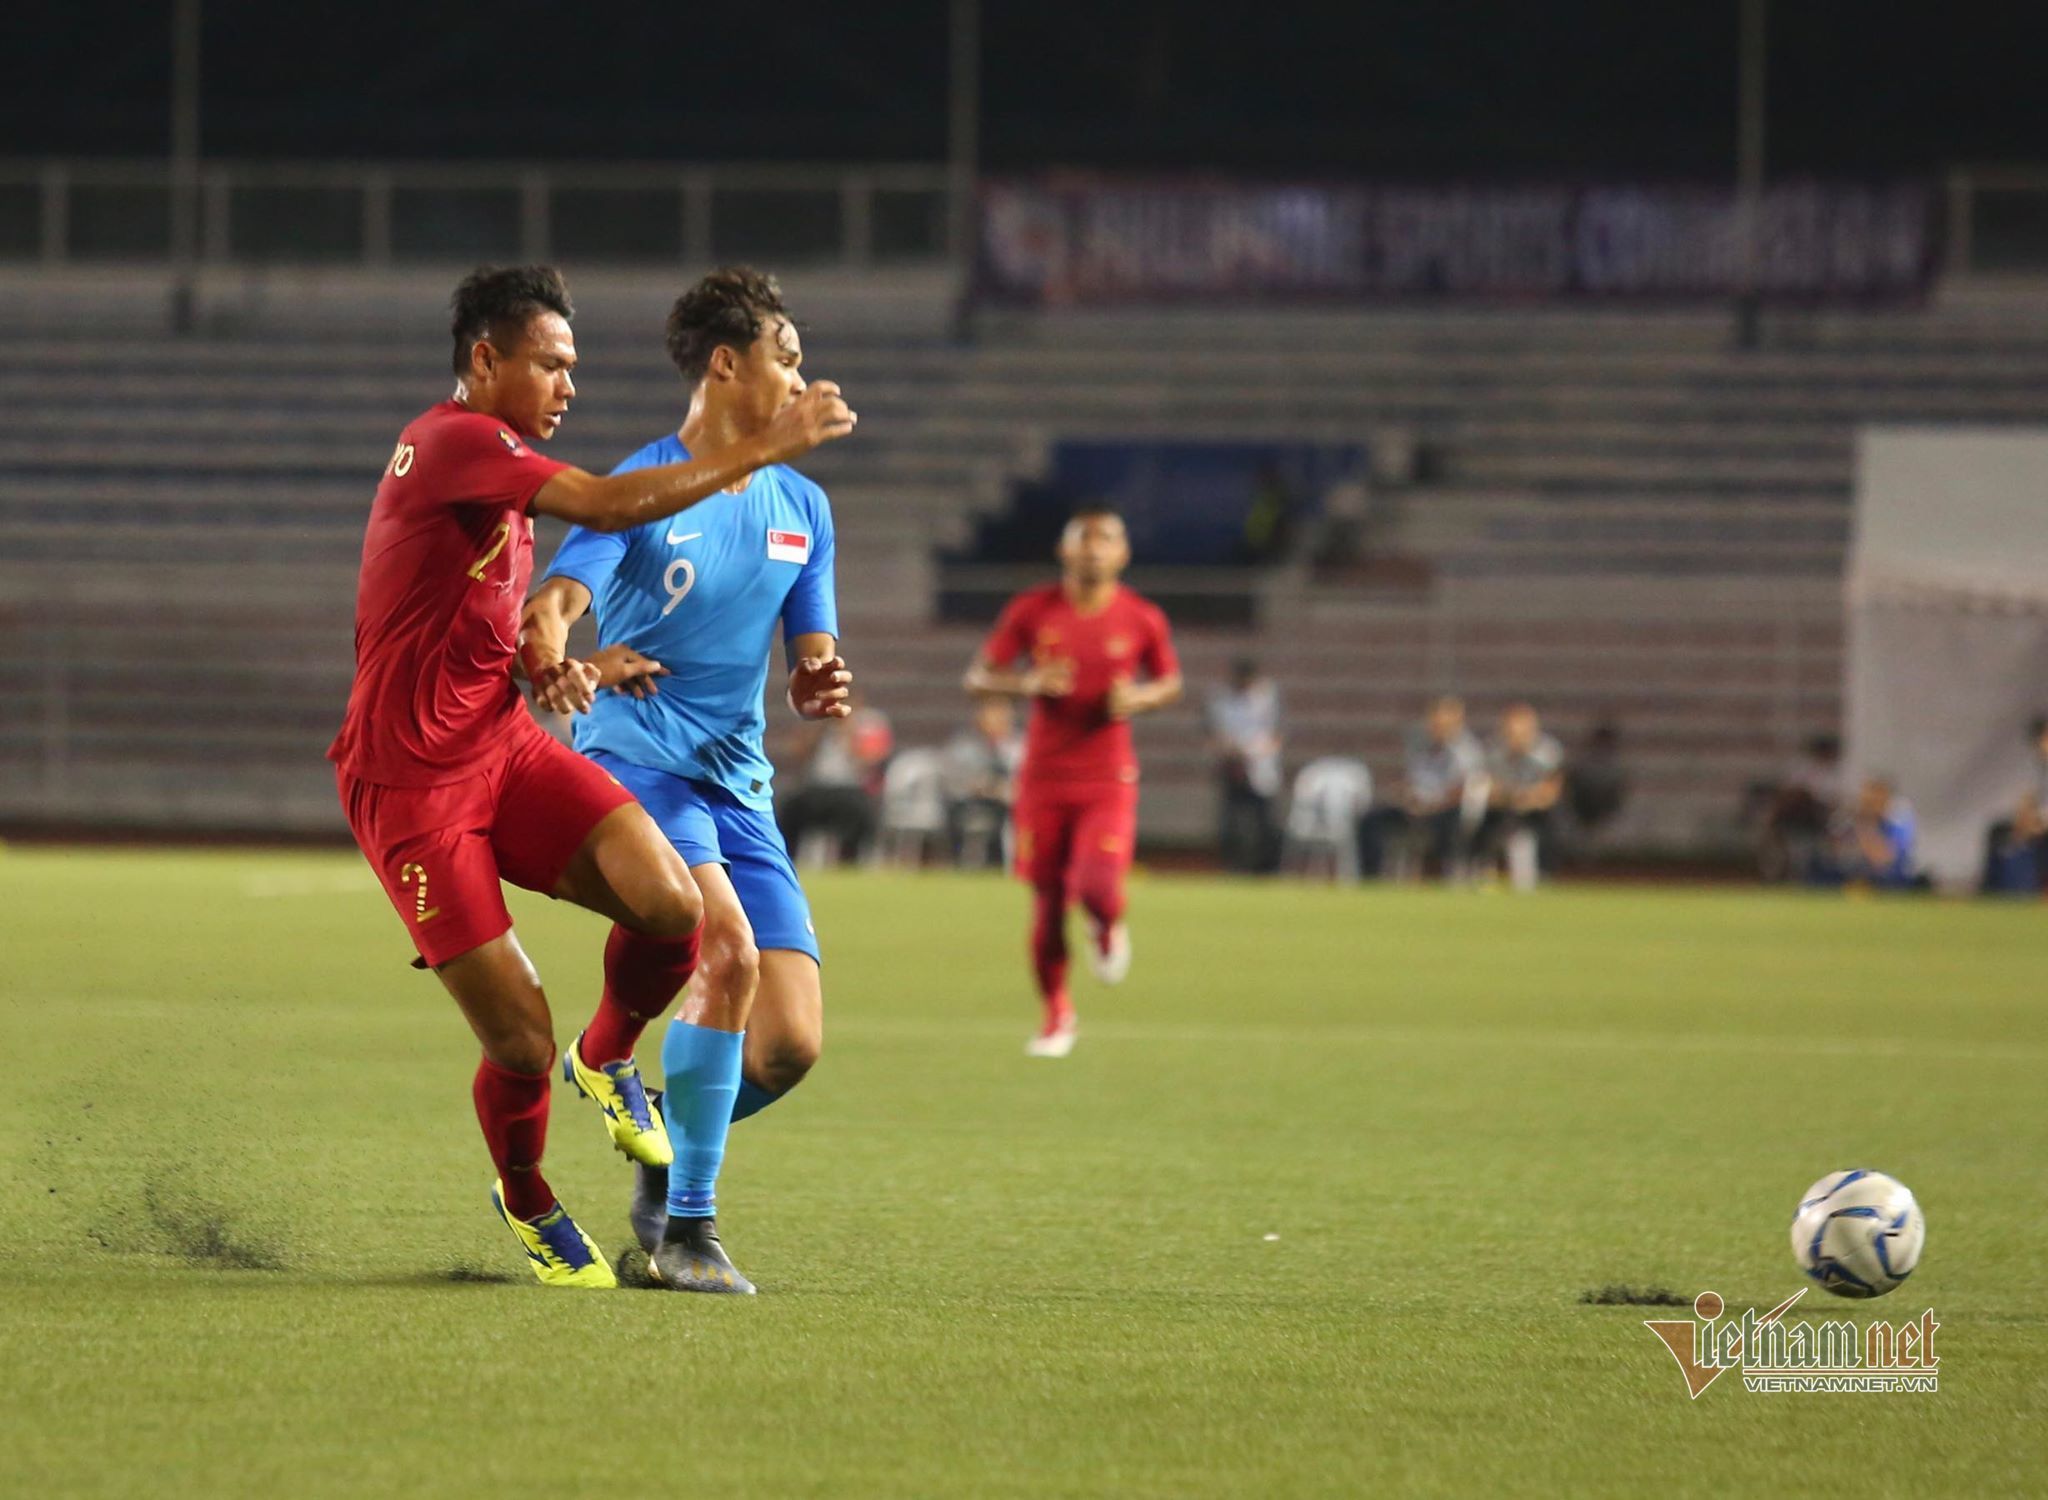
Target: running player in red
[[449, 785], [1094, 654]]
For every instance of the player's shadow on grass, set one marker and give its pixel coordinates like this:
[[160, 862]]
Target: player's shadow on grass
[[631, 1266], [463, 1273], [1620, 1294]]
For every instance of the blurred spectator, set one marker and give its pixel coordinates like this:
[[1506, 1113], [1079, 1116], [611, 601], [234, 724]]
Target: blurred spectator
[[2016, 848], [1525, 774], [1340, 535], [1802, 809], [1443, 776], [980, 779], [1595, 784], [1269, 523], [837, 804], [1244, 734], [1870, 843]]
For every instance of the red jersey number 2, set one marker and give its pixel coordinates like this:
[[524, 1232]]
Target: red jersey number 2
[[504, 535]]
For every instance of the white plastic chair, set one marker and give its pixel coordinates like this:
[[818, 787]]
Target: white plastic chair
[[1330, 795], [913, 815]]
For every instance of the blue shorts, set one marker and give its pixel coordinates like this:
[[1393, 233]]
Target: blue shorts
[[710, 826]]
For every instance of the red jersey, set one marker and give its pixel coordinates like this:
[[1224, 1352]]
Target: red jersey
[[446, 561], [1073, 738]]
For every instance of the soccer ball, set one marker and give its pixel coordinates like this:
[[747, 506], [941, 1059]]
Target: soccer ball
[[1858, 1233]]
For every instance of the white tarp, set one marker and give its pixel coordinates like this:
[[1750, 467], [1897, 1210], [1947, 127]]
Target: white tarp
[[1948, 626]]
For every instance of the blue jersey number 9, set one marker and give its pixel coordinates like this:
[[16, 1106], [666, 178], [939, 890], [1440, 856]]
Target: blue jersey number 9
[[680, 578]]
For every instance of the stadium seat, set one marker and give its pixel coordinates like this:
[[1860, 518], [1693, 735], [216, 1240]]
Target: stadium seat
[[1329, 796], [913, 818]]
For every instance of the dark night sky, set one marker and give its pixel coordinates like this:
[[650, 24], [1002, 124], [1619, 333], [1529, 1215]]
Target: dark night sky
[[1450, 88]]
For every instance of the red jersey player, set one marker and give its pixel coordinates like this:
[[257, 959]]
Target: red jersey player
[[448, 784], [1094, 654]]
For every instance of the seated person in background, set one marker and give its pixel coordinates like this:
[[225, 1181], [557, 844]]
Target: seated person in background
[[842, 785], [1244, 736], [2016, 848], [981, 782], [1871, 843], [1340, 537], [1595, 783], [1269, 520], [1525, 767], [1441, 762], [1802, 809]]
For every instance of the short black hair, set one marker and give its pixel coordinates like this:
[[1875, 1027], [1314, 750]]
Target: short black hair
[[493, 301], [730, 306], [1092, 510], [2038, 726]]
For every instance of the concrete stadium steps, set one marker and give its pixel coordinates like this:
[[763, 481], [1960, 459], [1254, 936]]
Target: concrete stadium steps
[[1570, 467], [1603, 491], [1753, 409], [1637, 411], [149, 445], [885, 540], [1501, 531], [1576, 409], [172, 698]]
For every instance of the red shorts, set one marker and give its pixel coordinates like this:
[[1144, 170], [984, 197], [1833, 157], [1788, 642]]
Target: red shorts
[[441, 850], [1062, 824]]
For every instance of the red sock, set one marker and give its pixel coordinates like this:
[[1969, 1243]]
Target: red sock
[[513, 1110], [1099, 887], [1049, 949], [642, 977]]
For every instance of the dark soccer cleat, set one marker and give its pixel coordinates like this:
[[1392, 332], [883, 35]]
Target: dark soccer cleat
[[649, 1211], [690, 1259]]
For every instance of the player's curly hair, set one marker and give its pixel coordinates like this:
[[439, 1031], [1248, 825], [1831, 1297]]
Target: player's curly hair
[[494, 302], [730, 306]]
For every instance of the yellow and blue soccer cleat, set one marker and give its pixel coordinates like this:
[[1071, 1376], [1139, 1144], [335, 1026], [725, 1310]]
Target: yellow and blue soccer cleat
[[559, 1252], [622, 1099]]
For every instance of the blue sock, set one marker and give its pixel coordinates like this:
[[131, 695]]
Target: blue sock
[[752, 1099], [702, 1068]]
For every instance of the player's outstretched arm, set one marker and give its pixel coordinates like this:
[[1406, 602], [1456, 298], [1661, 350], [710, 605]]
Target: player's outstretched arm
[[567, 687], [544, 624], [617, 502]]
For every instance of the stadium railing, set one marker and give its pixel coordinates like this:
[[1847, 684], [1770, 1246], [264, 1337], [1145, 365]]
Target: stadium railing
[[60, 213]]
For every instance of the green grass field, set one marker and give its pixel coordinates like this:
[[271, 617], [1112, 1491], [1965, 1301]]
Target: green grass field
[[1309, 1212]]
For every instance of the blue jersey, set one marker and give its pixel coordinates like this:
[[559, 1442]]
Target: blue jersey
[[700, 593]]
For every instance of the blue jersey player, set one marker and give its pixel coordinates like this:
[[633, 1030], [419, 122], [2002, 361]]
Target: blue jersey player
[[686, 617]]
